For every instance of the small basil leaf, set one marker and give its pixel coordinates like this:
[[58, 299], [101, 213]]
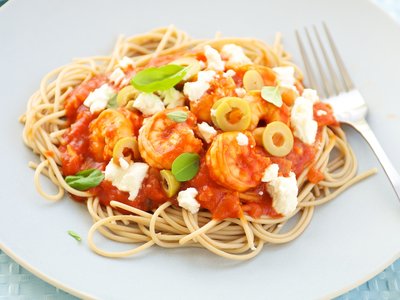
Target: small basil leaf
[[272, 95], [158, 79], [178, 116], [186, 166], [85, 179], [74, 235], [112, 103]]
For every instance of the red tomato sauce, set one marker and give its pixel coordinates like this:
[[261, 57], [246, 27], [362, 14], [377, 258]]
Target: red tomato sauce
[[314, 175], [76, 155], [221, 202], [324, 119], [150, 196]]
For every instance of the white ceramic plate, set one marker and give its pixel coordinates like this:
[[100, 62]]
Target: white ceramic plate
[[348, 241]]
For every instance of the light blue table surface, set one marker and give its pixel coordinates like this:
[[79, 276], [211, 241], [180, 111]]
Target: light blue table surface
[[16, 283]]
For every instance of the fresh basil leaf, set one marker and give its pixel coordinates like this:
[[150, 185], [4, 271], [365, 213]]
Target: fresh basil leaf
[[74, 235], [112, 103], [272, 95], [178, 116], [158, 79], [186, 166], [85, 179]]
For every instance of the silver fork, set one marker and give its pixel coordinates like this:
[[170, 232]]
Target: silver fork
[[347, 102]]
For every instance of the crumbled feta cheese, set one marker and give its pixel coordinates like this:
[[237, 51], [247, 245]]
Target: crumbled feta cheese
[[321, 112], [305, 127], [195, 90], [148, 104], [202, 64], [242, 139], [285, 76], [98, 99], [240, 92], [235, 55], [123, 163], [125, 62], [283, 191], [229, 73], [213, 112], [270, 173], [187, 200], [118, 77], [311, 95], [127, 180], [214, 60], [172, 98], [261, 193], [207, 132]]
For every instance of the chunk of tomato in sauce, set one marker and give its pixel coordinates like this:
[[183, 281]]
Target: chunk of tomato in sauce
[[79, 94], [324, 119]]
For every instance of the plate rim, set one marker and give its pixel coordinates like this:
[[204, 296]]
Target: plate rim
[[66, 288], [84, 295]]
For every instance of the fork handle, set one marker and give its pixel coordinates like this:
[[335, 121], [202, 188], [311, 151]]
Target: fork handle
[[363, 128]]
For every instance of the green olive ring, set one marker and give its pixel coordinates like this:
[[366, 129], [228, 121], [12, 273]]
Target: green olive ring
[[252, 80], [169, 183], [285, 136], [228, 105], [126, 94], [128, 142]]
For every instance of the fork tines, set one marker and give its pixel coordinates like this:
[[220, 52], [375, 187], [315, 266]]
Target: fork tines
[[327, 86]]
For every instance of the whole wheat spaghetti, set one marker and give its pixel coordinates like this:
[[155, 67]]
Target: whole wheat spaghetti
[[247, 215]]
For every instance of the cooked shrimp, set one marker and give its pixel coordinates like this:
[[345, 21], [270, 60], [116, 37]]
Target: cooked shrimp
[[110, 126], [263, 110], [235, 166], [161, 139], [219, 88]]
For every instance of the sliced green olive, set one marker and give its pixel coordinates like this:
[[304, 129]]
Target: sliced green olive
[[126, 143], [277, 139], [252, 80], [126, 94], [258, 135], [169, 183], [231, 114], [188, 61]]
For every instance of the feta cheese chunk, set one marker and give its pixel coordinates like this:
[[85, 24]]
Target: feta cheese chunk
[[270, 173], [172, 98], [98, 99], [202, 64], [229, 73], [129, 179], [235, 55], [240, 92], [148, 104], [207, 132], [285, 76], [242, 139], [187, 200], [118, 77], [305, 127], [214, 60], [123, 163], [311, 95], [195, 90], [283, 191], [321, 112], [125, 62]]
